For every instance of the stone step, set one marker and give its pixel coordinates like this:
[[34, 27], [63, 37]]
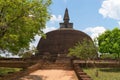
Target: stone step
[[79, 70], [54, 66], [86, 79], [58, 68], [82, 73], [84, 76]]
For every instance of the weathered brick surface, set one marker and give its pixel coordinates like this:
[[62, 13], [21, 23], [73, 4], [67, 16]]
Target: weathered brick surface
[[59, 64], [15, 76], [80, 74], [14, 64], [59, 41]]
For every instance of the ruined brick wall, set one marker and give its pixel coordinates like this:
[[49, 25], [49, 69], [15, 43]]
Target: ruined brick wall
[[16, 62]]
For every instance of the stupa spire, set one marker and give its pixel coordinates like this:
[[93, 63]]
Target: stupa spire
[[66, 24], [66, 16]]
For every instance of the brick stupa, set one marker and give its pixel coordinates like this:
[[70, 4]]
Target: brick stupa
[[58, 42]]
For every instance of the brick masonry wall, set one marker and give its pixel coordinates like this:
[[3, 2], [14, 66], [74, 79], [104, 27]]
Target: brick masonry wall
[[17, 75]]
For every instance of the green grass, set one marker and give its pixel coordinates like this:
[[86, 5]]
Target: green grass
[[103, 73], [4, 71]]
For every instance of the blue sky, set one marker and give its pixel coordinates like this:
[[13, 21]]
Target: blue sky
[[90, 16]]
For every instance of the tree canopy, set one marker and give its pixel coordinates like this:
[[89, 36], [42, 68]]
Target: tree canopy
[[20, 21], [85, 50], [109, 41]]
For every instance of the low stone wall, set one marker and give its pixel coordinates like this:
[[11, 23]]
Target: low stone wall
[[34, 67], [14, 76], [98, 63], [31, 65], [12, 59], [16, 62], [80, 74], [17, 75], [79, 64]]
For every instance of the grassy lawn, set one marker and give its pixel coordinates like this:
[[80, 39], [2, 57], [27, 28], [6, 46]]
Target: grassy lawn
[[4, 71], [103, 73]]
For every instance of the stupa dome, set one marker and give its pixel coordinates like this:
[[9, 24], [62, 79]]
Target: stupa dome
[[60, 40]]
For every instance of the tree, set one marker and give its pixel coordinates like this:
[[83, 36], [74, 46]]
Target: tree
[[84, 50], [20, 21], [109, 42], [28, 53]]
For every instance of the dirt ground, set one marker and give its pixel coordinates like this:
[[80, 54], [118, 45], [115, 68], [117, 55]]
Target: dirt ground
[[51, 75]]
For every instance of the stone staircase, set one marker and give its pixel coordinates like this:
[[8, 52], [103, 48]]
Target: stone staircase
[[55, 65], [79, 72], [60, 63]]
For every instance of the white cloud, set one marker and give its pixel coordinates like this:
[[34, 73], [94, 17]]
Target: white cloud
[[34, 43], [119, 23], [94, 31], [48, 29], [55, 18], [111, 9], [37, 37]]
